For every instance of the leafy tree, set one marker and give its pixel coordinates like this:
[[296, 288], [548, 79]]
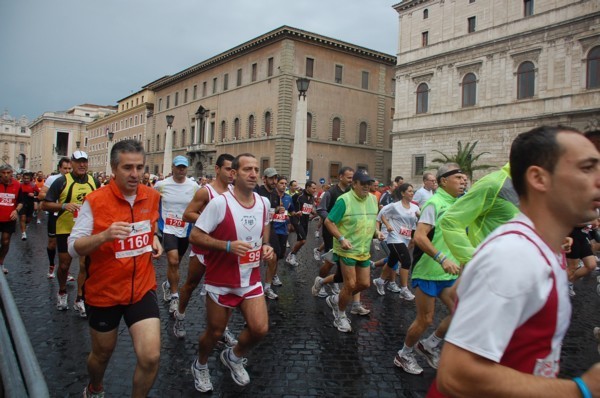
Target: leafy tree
[[465, 158]]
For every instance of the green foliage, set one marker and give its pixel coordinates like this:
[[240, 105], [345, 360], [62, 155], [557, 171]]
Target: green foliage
[[465, 158]]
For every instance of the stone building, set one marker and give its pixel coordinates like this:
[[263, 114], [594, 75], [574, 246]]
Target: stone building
[[130, 121], [15, 140], [244, 100], [57, 134], [487, 70]]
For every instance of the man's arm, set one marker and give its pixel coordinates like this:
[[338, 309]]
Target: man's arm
[[195, 207], [428, 248], [462, 373], [323, 205]]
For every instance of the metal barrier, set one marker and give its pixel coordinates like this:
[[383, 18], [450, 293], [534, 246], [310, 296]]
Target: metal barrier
[[20, 373]]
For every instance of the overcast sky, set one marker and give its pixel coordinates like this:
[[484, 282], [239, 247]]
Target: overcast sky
[[59, 53]]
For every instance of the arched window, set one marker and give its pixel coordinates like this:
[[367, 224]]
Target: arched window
[[593, 68], [236, 128], [526, 80], [308, 125], [362, 133], [422, 98], [335, 129], [425, 13], [222, 131], [469, 90], [268, 123], [251, 126]]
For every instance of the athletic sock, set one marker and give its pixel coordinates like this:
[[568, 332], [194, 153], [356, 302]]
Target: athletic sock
[[233, 357], [432, 341]]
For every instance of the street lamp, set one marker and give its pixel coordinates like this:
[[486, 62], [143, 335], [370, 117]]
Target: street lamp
[[302, 84], [110, 135], [168, 154], [299, 149]]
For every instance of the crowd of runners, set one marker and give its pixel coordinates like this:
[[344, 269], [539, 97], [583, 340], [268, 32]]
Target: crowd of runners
[[496, 248]]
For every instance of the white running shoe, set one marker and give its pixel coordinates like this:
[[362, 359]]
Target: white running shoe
[[276, 281], [406, 294], [322, 293], [359, 309], [61, 302], [431, 355], [174, 305], [342, 324], [201, 378], [317, 254], [238, 372], [270, 294], [408, 363], [335, 288], [70, 278], [51, 272], [24, 236], [166, 288], [4, 270], [228, 338], [80, 307], [179, 326], [317, 286], [380, 285], [571, 290], [203, 290], [333, 305], [39, 221], [393, 287]]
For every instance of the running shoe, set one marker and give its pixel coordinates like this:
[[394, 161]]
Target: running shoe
[[51, 272], [322, 293], [276, 281], [380, 285], [393, 287], [317, 286], [89, 394], [335, 288], [372, 264], [179, 326], [571, 290], [24, 236], [408, 363], [358, 309], [406, 294], [317, 234], [70, 278], [201, 378], [270, 294], [228, 338], [291, 259], [166, 289], [287, 245], [61, 301], [39, 221], [4, 270], [203, 290], [431, 355], [174, 305], [80, 307], [342, 324], [238, 372], [333, 305], [317, 254]]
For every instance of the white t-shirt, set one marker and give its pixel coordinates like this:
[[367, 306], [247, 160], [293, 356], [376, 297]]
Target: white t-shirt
[[174, 198], [513, 301], [422, 195], [402, 220], [51, 179]]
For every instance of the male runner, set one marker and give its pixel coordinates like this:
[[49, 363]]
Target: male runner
[[11, 203]]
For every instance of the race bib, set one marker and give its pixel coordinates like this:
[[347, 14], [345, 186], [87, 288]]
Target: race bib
[[138, 242], [307, 208], [405, 232], [174, 221], [7, 199], [279, 217], [252, 257]]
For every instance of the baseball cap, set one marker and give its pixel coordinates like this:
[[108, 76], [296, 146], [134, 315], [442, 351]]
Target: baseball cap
[[362, 176], [79, 155], [180, 161], [270, 172]]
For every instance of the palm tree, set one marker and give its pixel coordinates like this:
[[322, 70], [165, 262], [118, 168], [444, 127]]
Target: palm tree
[[465, 158]]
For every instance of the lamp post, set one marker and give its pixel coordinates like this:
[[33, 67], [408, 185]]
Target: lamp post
[[298, 172], [168, 155], [110, 135]]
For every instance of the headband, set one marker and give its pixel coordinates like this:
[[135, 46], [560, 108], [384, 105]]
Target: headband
[[451, 173]]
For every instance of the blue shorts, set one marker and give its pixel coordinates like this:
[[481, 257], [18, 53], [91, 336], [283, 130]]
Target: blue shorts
[[432, 288]]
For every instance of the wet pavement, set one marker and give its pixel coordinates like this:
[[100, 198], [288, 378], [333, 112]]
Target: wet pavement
[[303, 355]]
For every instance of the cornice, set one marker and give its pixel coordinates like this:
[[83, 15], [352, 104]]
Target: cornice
[[284, 32]]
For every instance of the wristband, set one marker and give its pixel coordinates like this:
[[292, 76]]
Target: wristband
[[63, 206], [442, 259], [341, 238], [583, 388], [228, 248], [437, 255]]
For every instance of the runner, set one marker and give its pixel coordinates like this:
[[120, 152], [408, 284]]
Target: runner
[[304, 208], [233, 228], [39, 183], [11, 203], [30, 192], [197, 265], [120, 245], [66, 196], [64, 167], [176, 192]]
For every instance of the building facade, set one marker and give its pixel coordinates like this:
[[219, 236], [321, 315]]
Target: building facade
[[130, 121], [15, 138], [57, 134], [483, 70], [245, 99]]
